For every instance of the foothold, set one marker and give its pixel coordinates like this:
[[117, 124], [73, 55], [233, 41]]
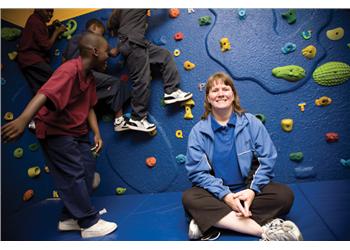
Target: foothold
[[201, 86], [306, 34], [124, 77], [302, 106], [335, 34], [189, 104], [177, 52], [8, 116], [290, 16], [151, 161], [97, 180], [225, 44], [304, 172], [323, 101], [178, 134], [10, 34], [261, 117], [95, 154], [3, 81], [33, 171], [174, 12], [55, 194], [332, 137], [33, 146], [28, 195], [189, 66], [46, 169], [288, 48], [309, 52], [296, 156], [71, 27], [153, 132], [204, 20], [287, 124], [57, 52], [242, 14], [179, 36], [190, 11], [180, 159], [18, 153], [120, 190], [107, 118], [332, 73], [160, 41], [290, 73], [162, 103], [345, 163], [12, 55], [348, 45]]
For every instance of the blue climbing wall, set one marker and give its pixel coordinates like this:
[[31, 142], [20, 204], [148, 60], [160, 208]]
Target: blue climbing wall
[[256, 45]]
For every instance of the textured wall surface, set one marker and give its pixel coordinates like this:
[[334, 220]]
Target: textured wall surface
[[256, 44]]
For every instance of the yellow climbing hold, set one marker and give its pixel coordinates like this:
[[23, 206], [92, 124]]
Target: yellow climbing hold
[[188, 65], [302, 106], [33, 171], [18, 153], [12, 55], [153, 132], [178, 134], [55, 194], [8, 116], [287, 124], [323, 101], [225, 44], [177, 52], [335, 34], [309, 52]]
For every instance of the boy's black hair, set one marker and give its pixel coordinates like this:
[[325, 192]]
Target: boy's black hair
[[94, 21]]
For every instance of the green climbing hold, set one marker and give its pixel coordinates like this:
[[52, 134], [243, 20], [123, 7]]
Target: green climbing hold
[[120, 190], [290, 16], [204, 20], [10, 34], [296, 156], [71, 27], [290, 73], [332, 73], [18, 153], [107, 118], [261, 117], [33, 147]]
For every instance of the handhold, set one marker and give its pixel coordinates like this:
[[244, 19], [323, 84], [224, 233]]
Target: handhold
[[10, 34], [12, 55], [177, 52], [201, 86], [153, 132], [174, 12], [190, 11], [162, 103], [348, 45], [189, 66], [204, 20], [323, 101], [332, 73], [71, 27], [8, 116], [160, 41], [178, 134], [302, 106], [225, 44], [33, 146], [124, 77], [18, 153], [55, 194], [287, 124], [290, 16], [28, 195], [178, 36], [290, 73], [95, 154], [261, 117], [296, 156], [33, 171], [304, 172], [335, 34], [3, 81], [46, 169], [180, 159], [242, 14], [345, 163], [97, 180], [306, 34], [188, 108], [151, 161], [57, 52], [288, 48], [309, 52], [332, 137], [120, 190]]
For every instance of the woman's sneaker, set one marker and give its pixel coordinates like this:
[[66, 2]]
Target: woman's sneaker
[[194, 233], [177, 96], [279, 230], [120, 124], [142, 125], [101, 228], [68, 225]]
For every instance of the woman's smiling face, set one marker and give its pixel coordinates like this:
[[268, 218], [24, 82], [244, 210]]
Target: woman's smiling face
[[220, 96]]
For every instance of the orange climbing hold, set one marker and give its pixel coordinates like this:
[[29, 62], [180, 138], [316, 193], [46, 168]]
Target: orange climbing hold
[[28, 195], [151, 161], [174, 12]]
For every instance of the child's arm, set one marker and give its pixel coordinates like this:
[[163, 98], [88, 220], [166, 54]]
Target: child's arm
[[94, 127], [14, 129]]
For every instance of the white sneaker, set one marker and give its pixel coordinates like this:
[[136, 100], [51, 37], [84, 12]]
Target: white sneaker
[[281, 231], [120, 124], [142, 125], [177, 96], [194, 233], [31, 125], [69, 225], [101, 228]]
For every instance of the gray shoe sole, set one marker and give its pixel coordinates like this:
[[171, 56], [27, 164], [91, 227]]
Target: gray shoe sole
[[178, 100]]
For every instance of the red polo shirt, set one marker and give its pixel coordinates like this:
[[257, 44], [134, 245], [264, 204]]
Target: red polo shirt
[[34, 45], [72, 95]]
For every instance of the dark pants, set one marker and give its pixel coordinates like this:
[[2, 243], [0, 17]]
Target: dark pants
[[37, 74], [139, 60], [72, 167], [275, 200]]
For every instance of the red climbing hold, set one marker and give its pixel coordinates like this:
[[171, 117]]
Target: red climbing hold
[[332, 137], [179, 36], [151, 161]]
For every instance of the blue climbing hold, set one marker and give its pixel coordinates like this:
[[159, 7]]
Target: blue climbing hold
[[3, 81], [160, 41], [306, 34], [304, 172], [180, 159], [242, 14], [345, 163], [288, 48]]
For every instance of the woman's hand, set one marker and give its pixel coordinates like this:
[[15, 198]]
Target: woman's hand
[[246, 196], [236, 205]]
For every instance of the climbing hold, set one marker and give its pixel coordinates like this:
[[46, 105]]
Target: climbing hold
[[33, 146], [290, 73], [242, 14], [71, 27], [190, 11], [304, 172], [287, 124], [124, 77], [309, 52], [174, 12], [10, 34], [261, 117], [302, 106], [177, 52], [160, 41], [28, 195], [151, 161], [345, 163], [201, 86], [178, 134], [57, 52], [18, 153], [189, 66], [3, 81], [120, 190], [189, 104], [46, 169], [204, 20], [180, 158], [153, 132], [296, 156], [33, 171], [348, 45], [332, 73], [55, 194], [178, 36], [12, 55], [107, 117], [225, 44], [323, 101], [288, 48], [335, 34], [332, 137], [97, 180], [306, 34], [290, 16], [162, 103], [8, 116]]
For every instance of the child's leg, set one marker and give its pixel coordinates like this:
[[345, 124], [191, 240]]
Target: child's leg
[[37, 74]]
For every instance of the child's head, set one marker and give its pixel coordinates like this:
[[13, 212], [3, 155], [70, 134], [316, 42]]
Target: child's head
[[95, 26], [45, 14]]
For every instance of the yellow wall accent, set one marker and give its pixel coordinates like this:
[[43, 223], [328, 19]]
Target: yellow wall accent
[[20, 16]]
